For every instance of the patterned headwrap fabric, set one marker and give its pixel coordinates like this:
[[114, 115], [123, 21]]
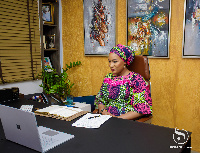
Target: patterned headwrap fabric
[[126, 53]]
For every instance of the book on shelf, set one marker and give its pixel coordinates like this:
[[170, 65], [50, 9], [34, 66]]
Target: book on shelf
[[47, 62]]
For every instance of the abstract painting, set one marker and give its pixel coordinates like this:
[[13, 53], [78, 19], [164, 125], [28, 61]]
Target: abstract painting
[[148, 27], [99, 26], [191, 40]]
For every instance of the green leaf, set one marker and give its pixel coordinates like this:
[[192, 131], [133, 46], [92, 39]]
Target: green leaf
[[55, 83]]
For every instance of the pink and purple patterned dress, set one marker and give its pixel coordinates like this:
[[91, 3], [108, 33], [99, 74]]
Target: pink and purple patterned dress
[[121, 94]]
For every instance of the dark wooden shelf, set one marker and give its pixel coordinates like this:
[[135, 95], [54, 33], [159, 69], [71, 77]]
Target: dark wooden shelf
[[48, 30], [50, 25], [46, 1], [51, 49]]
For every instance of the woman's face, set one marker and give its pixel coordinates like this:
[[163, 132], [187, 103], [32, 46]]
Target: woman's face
[[116, 64]]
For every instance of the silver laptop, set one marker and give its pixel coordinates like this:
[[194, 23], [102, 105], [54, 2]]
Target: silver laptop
[[21, 127]]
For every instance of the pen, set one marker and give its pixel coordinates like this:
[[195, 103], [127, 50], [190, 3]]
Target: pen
[[93, 117]]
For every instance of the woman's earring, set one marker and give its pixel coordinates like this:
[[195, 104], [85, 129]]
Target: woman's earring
[[124, 66]]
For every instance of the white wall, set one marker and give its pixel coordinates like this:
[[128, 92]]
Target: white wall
[[25, 87]]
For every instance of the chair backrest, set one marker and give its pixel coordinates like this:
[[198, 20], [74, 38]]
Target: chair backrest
[[140, 65]]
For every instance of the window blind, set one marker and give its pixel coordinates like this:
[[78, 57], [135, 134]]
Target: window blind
[[20, 50]]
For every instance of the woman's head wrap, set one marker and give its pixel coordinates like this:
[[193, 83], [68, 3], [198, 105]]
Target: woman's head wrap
[[126, 53]]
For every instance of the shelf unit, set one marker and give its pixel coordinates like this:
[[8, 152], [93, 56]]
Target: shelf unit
[[49, 30]]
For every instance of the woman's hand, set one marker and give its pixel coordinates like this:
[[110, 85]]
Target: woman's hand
[[107, 113], [101, 107], [130, 115]]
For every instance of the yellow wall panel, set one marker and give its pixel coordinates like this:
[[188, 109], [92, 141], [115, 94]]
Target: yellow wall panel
[[174, 82], [89, 76]]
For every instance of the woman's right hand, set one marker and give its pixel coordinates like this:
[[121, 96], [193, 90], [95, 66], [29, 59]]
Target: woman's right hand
[[104, 112]]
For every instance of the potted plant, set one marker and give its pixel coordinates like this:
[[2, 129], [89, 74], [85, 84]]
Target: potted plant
[[57, 85]]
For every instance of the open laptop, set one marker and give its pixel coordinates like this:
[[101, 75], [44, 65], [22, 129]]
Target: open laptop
[[21, 127]]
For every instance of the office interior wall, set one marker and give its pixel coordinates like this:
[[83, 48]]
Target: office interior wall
[[175, 81], [88, 76]]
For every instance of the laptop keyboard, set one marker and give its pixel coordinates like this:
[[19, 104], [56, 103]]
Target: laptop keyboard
[[47, 141]]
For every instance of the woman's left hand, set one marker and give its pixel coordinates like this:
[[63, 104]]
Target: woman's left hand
[[130, 115], [107, 113]]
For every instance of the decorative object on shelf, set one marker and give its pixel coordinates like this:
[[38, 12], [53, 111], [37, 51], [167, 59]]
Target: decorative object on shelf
[[51, 41], [48, 13], [44, 42], [99, 26], [59, 84], [148, 27], [47, 63], [191, 37]]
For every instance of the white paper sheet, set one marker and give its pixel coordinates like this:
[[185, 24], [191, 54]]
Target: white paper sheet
[[91, 120]]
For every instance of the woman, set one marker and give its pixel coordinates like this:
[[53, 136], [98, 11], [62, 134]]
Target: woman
[[123, 94]]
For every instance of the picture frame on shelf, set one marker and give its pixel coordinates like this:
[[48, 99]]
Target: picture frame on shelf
[[48, 13], [47, 62], [99, 27], [148, 27], [191, 30]]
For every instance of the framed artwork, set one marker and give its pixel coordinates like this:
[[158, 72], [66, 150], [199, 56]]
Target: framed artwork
[[148, 27], [99, 26], [47, 62], [48, 13], [191, 37]]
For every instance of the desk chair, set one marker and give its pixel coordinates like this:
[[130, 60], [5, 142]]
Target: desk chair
[[140, 65]]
